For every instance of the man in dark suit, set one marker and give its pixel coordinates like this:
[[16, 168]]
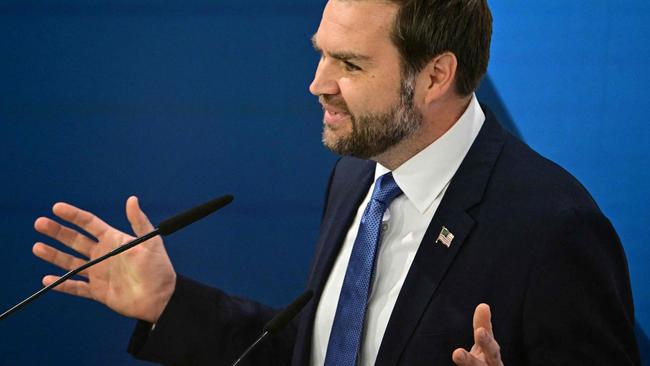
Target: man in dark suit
[[436, 212]]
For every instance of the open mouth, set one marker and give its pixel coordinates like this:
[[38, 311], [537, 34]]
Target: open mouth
[[332, 117]]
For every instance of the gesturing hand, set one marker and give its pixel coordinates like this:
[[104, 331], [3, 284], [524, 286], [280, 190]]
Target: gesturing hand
[[486, 351], [137, 283]]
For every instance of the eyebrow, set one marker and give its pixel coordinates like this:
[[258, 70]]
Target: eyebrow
[[341, 55]]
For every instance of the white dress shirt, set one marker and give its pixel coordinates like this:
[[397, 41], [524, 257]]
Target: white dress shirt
[[423, 179]]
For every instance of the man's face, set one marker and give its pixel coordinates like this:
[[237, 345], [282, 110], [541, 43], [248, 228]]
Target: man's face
[[368, 107]]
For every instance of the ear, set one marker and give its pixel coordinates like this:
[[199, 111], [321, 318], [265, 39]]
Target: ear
[[440, 76]]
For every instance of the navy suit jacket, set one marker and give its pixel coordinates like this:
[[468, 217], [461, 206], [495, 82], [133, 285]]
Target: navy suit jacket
[[529, 240]]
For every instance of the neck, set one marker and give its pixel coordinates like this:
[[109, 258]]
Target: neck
[[437, 120]]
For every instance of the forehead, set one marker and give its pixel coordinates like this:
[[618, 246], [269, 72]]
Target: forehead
[[359, 24]]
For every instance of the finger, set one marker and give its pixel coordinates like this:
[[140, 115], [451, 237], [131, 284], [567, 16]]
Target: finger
[[71, 238], [71, 287], [482, 319], [489, 346], [139, 221], [464, 358], [84, 219], [58, 258]]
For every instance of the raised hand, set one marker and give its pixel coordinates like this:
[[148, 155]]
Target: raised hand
[[486, 351], [137, 283]]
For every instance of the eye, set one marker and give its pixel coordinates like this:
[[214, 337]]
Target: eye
[[349, 66]]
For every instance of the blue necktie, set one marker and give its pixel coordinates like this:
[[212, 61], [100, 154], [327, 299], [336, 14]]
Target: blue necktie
[[345, 338]]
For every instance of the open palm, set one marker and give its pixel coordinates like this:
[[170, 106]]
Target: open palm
[[137, 283]]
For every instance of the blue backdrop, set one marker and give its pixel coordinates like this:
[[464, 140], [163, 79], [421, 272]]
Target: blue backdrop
[[180, 101]]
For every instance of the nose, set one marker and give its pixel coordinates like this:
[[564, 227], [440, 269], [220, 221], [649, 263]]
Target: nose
[[325, 80]]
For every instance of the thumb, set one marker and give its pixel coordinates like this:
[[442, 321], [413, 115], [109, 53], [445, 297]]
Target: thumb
[[483, 318], [139, 221]]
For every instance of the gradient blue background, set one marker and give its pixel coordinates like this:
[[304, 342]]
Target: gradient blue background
[[180, 101]]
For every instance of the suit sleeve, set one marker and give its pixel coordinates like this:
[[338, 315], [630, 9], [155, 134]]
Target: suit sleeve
[[204, 326], [579, 306]]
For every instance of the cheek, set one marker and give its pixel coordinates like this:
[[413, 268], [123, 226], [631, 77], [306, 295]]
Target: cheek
[[371, 95], [353, 94]]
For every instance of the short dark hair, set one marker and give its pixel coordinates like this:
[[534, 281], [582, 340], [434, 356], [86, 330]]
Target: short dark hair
[[424, 29]]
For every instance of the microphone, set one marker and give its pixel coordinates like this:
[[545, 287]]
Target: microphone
[[279, 321], [165, 228]]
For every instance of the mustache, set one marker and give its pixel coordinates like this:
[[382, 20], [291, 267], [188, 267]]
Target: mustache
[[335, 102]]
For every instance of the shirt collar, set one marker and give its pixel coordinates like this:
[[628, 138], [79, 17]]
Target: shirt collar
[[424, 177]]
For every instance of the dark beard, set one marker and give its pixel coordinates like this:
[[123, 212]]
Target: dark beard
[[373, 134]]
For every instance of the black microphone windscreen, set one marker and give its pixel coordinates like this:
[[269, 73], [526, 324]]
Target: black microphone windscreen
[[185, 218], [280, 321]]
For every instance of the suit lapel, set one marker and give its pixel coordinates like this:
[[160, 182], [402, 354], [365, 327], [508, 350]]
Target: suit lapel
[[347, 188], [433, 259], [345, 202]]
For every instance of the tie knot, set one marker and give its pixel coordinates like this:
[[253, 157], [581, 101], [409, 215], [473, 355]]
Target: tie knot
[[386, 189]]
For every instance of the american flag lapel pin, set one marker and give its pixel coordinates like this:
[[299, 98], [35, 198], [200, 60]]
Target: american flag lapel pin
[[445, 237]]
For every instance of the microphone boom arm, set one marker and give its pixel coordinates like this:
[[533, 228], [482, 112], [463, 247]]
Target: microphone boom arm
[[165, 228]]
